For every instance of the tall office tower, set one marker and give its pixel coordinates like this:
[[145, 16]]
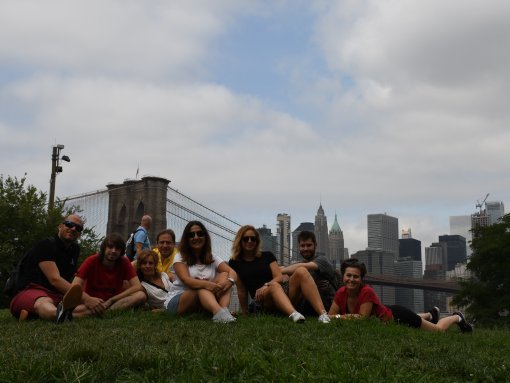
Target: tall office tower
[[461, 225], [321, 232], [336, 244], [303, 226], [410, 248], [410, 298], [496, 210], [479, 219], [267, 239], [435, 268], [283, 234], [383, 233], [406, 233], [455, 250], [382, 263]]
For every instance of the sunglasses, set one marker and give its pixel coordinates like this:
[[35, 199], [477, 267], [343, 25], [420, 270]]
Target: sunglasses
[[70, 225], [193, 234], [249, 238]]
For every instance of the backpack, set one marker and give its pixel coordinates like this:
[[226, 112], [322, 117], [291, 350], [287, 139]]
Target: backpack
[[130, 245]]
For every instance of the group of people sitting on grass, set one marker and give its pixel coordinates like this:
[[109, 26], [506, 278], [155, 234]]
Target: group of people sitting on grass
[[191, 278]]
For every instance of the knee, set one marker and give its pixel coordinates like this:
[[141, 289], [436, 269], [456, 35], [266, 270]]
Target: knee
[[140, 297], [300, 273]]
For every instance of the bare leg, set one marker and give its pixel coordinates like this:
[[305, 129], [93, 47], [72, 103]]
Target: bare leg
[[45, 308], [443, 324], [224, 298], [276, 297], [188, 303], [426, 316], [132, 300], [301, 284], [208, 301]]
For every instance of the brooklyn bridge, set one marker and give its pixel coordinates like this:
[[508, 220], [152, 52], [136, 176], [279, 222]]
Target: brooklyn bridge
[[119, 208]]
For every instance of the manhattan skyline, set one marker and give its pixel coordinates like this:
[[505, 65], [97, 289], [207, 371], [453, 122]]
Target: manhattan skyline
[[261, 107]]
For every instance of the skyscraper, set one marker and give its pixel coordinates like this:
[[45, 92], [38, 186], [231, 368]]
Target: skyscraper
[[435, 268], [410, 298], [455, 250], [496, 210], [461, 225], [303, 226], [383, 233], [283, 239], [336, 244], [321, 232], [267, 240]]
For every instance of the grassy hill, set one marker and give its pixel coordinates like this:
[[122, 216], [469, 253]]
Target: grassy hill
[[148, 347]]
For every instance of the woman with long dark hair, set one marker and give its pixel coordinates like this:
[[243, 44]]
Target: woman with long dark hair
[[203, 280]]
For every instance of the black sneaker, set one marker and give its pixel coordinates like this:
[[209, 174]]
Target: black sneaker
[[463, 324], [62, 315], [434, 312]]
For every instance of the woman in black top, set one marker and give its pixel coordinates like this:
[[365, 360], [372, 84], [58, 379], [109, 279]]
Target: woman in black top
[[259, 275]]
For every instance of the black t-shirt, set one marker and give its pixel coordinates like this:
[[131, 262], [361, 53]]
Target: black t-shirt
[[255, 273], [50, 249]]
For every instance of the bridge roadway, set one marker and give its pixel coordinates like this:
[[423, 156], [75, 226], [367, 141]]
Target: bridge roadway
[[447, 286]]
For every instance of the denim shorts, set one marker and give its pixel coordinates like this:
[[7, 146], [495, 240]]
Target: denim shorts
[[173, 305]]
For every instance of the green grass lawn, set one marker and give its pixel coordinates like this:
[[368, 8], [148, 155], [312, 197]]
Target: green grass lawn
[[148, 347]]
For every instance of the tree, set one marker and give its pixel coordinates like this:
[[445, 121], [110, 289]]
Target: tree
[[24, 220], [486, 294]]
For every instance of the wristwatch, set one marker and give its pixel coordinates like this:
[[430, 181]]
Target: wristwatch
[[231, 280]]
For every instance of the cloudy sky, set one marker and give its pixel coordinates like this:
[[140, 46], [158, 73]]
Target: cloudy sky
[[261, 107]]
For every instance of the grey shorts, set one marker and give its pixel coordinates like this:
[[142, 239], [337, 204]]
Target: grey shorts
[[173, 305]]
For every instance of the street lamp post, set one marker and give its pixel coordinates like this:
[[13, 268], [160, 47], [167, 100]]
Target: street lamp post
[[55, 169]]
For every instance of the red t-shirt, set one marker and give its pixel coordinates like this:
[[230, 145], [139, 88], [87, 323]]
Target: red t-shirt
[[104, 283], [366, 294]]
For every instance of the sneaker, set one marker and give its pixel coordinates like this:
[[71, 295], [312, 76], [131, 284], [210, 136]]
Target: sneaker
[[463, 324], [71, 299], [434, 312], [223, 316], [297, 317], [324, 318]]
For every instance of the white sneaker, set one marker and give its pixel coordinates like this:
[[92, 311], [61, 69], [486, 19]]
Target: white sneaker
[[324, 318], [297, 317], [223, 316]]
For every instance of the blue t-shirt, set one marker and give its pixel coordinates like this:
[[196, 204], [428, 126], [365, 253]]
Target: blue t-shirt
[[142, 236]]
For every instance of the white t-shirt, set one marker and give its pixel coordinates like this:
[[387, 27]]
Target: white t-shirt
[[156, 296], [203, 272]]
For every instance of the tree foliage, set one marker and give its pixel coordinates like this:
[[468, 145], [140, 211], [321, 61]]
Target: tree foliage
[[486, 294], [24, 220]]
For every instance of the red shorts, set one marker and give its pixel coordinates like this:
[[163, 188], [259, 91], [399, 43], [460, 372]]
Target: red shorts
[[25, 299]]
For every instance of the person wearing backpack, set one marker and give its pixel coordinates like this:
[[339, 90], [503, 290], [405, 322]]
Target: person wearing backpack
[[43, 286], [141, 236]]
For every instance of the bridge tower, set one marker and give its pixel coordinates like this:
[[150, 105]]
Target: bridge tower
[[129, 201]]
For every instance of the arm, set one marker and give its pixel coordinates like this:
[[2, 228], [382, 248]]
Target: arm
[[50, 271], [138, 246], [277, 273], [134, 286], [96, 305], [289, 270], [225, 269]]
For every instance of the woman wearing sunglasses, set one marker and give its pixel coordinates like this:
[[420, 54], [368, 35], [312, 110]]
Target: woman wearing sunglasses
[[203, 280], [259, 275], [356, 300]]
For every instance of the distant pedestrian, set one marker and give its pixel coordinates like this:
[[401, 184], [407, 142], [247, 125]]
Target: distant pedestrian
[[141, 236], [355, 300], [45, 277]]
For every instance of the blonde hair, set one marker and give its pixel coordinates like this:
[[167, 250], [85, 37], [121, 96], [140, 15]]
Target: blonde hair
[[237, 249]]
